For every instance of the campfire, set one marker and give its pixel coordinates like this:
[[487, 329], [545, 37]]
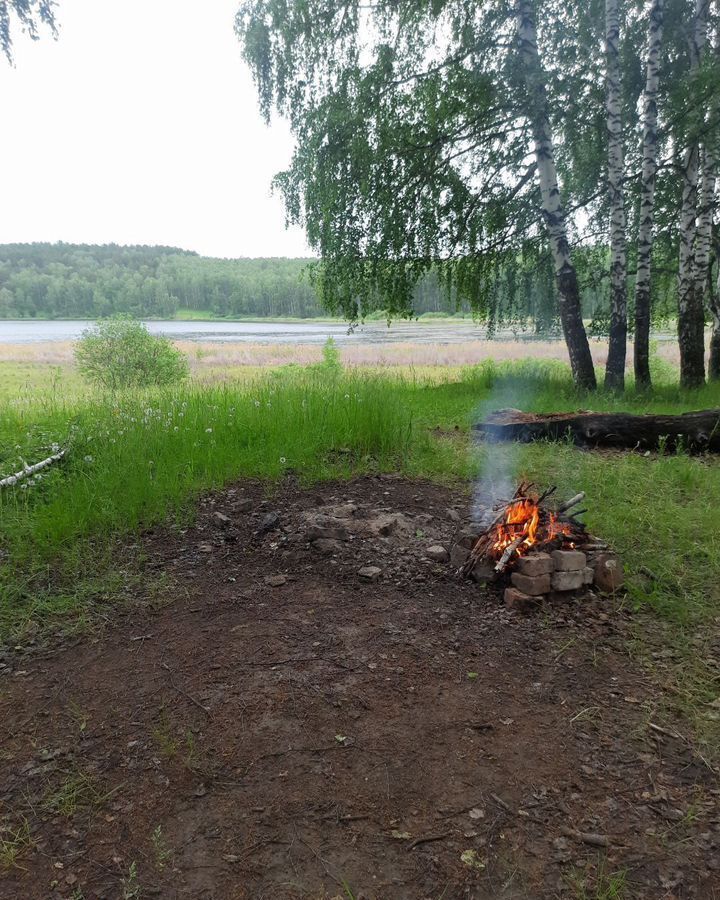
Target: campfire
[[525, 523], [544, 547]]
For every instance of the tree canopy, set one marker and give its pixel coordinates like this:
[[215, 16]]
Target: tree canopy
[[482, 140], [30, 15]]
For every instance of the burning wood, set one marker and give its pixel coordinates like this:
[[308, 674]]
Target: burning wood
[[524, 523]]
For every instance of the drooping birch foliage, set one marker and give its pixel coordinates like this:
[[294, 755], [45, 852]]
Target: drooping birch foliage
[[492, 141]]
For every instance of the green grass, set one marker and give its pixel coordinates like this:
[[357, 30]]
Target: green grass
[[26, 382], [138, 459], [14, 840]]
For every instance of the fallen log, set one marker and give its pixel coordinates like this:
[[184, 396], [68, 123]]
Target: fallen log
[[693, 431]]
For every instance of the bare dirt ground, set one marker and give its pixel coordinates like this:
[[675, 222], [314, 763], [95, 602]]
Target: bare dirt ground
[[285, 729]]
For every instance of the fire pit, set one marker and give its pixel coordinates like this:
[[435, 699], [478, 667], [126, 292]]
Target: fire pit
[[541, 550]]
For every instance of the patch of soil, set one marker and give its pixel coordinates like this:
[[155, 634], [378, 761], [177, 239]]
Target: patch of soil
[[288, 729]]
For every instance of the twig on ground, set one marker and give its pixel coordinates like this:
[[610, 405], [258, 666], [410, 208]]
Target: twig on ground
[[501, 802], [586, 837], [185, 694], [428, 838]]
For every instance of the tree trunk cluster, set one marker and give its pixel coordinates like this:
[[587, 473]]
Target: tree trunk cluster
[[698, 169]]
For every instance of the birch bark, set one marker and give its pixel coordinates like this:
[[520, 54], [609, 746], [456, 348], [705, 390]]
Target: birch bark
[[691, 312], [707, 206], [647, 197], [617, 350], [581, 361]]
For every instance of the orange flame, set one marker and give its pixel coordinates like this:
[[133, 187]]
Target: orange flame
[[521, 524]]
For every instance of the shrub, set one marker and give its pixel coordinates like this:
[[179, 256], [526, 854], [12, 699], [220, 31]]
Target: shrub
[[331, 364], [121, 353]]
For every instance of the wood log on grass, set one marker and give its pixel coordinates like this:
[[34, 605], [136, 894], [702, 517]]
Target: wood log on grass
[[693, 431], [27, 471]]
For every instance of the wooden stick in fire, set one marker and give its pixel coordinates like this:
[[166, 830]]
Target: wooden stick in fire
[[508, 552]]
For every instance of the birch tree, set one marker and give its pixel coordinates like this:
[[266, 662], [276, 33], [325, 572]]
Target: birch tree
[[707, 203], [647, 196], [691, 311], [552, 208], [714, 306], [424, 143], [708, 232], [617, 349]]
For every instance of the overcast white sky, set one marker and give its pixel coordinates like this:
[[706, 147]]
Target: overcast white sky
[[140, 126]]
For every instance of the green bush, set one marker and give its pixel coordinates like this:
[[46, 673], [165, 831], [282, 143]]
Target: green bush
[[121, 353]]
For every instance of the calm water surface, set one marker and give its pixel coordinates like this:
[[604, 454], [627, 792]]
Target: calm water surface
[[28, 331]]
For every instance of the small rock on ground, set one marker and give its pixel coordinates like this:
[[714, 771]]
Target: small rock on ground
[[437, 553], [370, 573], [275, 580]]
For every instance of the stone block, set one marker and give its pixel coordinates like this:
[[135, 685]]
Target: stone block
[[569, 560], [535, 564], [437, 553], [458, 556], [589, 575], [568, 581], [468, 536], [515, 599], [370, 573], [326, 546], [325, 528], [483, 572], [531, 584], [609, 575]]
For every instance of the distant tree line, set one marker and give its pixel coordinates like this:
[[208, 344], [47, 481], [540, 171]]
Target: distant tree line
[[87, 281]]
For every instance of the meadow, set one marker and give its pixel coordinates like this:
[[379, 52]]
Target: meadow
[[140, 458]]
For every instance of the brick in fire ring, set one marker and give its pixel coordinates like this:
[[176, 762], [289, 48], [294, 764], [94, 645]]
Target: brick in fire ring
[[569, 560], [515, 599], [568, 581], [534, 585], [535, 564]]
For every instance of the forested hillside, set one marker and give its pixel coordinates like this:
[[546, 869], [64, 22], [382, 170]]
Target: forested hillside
[[69, 280], [86, 281]]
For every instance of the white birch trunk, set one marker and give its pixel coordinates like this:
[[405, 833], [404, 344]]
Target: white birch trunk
[[647, 196], [552, 209], [691, 314], [617, 350], [706, 199], [27, 471]]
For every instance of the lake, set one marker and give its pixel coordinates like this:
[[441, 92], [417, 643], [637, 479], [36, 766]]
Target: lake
[[30, 331]]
